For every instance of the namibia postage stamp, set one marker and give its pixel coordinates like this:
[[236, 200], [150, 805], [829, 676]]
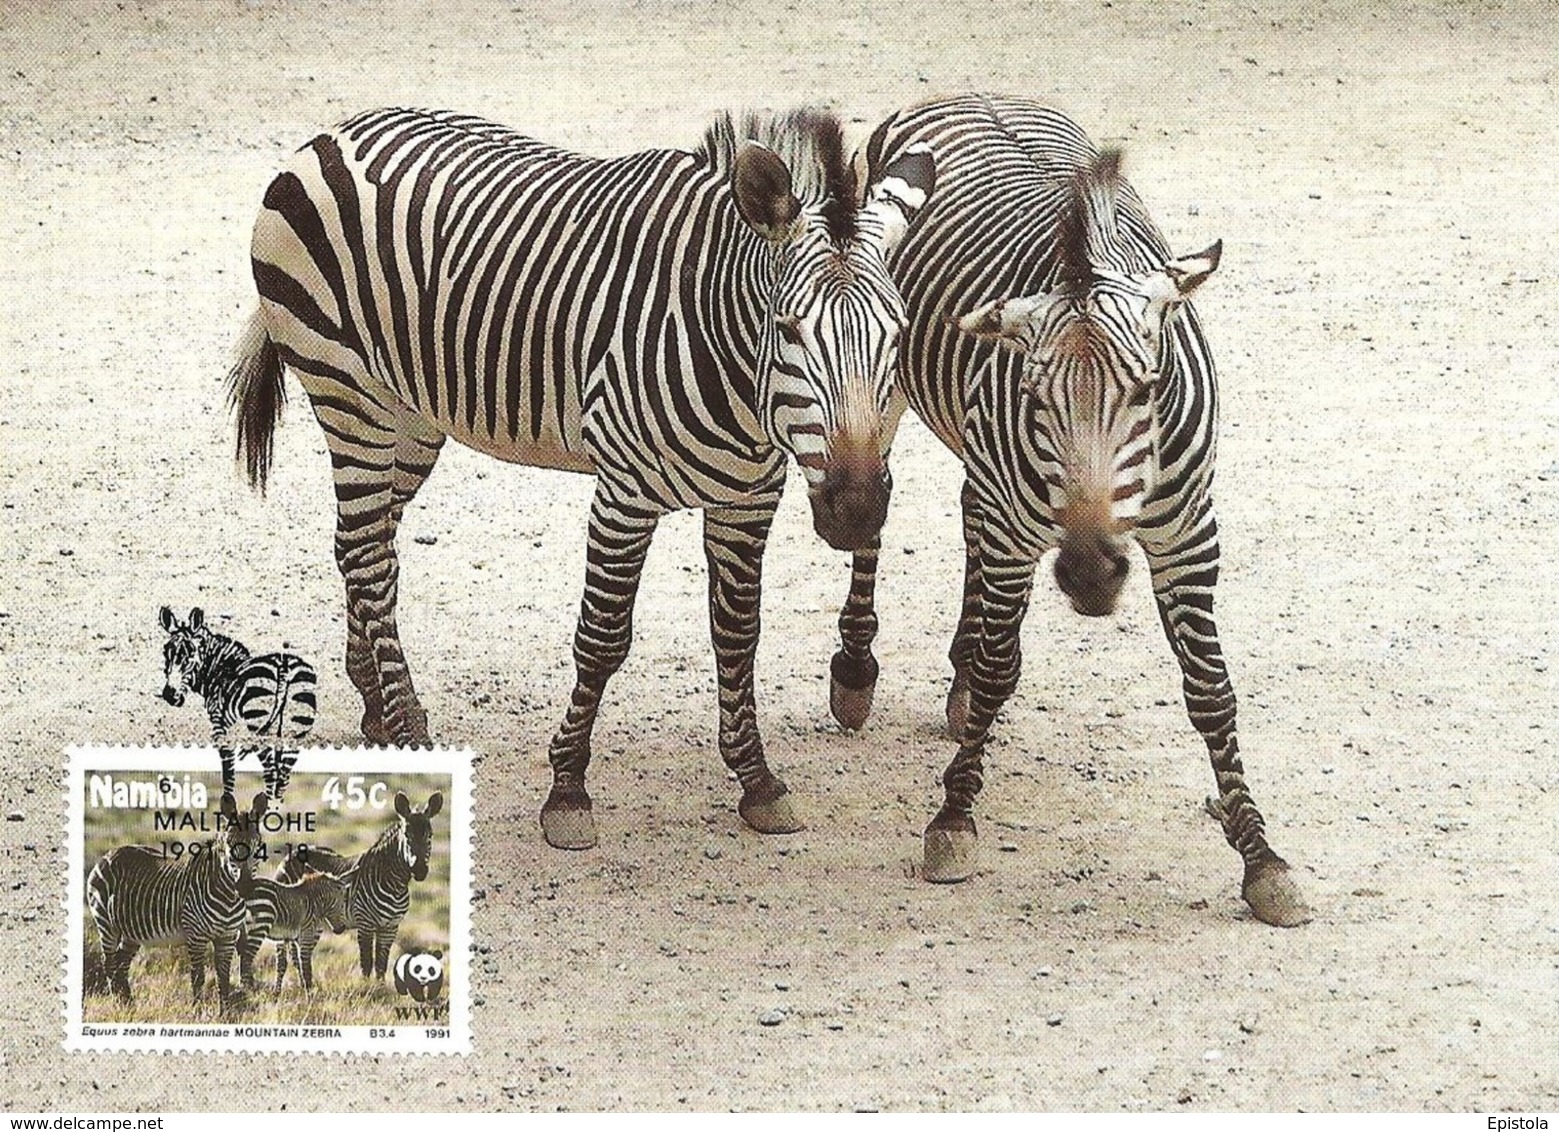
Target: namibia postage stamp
[[334, 918]]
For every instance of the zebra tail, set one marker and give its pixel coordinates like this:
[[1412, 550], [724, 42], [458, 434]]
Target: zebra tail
[[256, 394]]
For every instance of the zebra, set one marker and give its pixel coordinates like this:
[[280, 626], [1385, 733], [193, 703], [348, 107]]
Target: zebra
[[294, 915], [271, 696], [137, 895], [377, 880], [1053, 347], [672, 322]]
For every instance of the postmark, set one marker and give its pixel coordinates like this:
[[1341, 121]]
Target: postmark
[[202, 920]]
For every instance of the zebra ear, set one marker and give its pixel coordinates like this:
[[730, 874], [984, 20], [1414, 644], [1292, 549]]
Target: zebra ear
[[197, 618], [435, 804], [901, 192], [229, 806], [1004, 321], [402, 804], [262, 802], [1190, 272], [168, 620], [763, 195]]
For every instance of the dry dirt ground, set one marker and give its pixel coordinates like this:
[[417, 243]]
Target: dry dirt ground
[[1385, 187]]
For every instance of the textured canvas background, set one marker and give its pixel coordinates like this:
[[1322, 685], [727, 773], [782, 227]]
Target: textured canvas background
[[1384, 184]]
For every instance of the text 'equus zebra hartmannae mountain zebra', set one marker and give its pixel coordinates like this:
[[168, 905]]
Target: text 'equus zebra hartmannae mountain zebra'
[[1051, 346], [378, 880], [137, 895], [270, 698], [672, 322], [293, 915]]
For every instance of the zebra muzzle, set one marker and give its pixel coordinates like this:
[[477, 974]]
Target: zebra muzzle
[[849, 507], [173, 695], [1090, 569]]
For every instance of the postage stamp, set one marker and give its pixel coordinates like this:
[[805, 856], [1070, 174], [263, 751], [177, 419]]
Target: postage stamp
[[334, 919]]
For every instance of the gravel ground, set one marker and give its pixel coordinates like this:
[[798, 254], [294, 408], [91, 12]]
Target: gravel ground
[[1383, 321]]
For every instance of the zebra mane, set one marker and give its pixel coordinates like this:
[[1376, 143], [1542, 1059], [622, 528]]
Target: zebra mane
[[1088, 232], [385, 836], [811, 143]]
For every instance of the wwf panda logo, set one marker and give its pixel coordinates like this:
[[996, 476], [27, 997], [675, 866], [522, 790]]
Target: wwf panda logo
[[420, 974]]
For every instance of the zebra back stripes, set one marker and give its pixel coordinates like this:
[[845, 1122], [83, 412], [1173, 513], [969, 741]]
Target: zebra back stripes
[[137, 896], [675, 322], [269, 698], [1051, 345]]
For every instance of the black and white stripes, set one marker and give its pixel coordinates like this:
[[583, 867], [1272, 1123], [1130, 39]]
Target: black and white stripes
[[673, 322], [293, 915], [1051, 345], [378, 879], [137, 895]]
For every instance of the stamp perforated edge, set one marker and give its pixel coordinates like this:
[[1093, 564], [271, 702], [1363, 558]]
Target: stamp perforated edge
[[456, 762]]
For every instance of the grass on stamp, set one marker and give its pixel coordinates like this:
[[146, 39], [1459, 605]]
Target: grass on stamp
[[159, 981]]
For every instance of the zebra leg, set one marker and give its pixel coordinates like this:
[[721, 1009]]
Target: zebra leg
[[196, 950], [305, 958], [278, 772], [228, 757], [248, 948], [968, 634], [383, 938], [951, 844], [853, 672], [618, 541], [734, 541], [116, 964], [365, 951], [281, 965], [377, 471], [223, 947], [1184, 576]]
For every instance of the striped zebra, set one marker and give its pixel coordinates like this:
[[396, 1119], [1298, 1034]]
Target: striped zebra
[[1052, 347], [268, 697], [378, 880], [136, 895], [674, 323], [293, 915]]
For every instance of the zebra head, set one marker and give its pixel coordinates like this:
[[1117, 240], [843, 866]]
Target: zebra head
[[416, 832], [239, 839], [828, 347], [183, 653], [1094, 349]]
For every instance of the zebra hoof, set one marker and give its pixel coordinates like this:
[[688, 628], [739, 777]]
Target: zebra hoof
[[568, 825], [950, 854], [373, 730], [1273, 896], [958, 707], [768, 809], [851, 706]]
